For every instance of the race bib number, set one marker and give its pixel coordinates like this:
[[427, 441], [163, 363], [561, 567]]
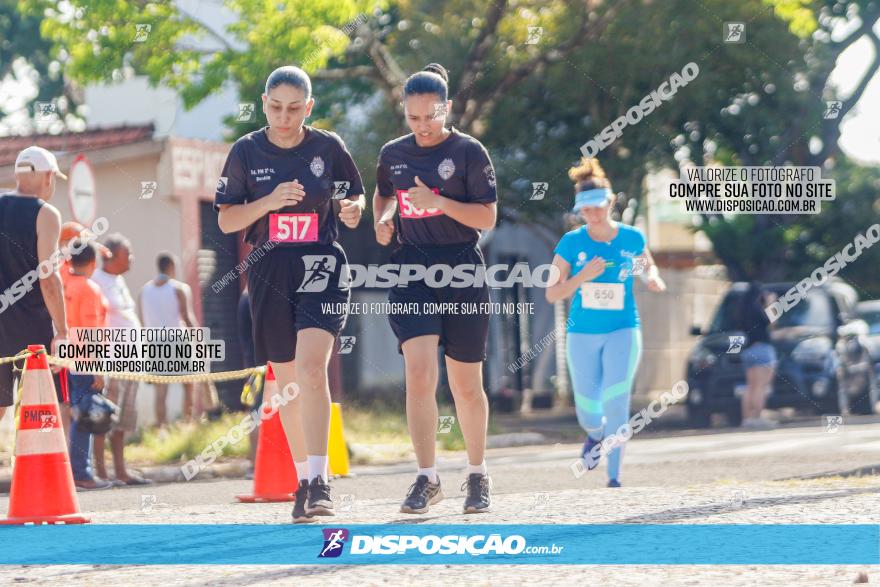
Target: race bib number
[[602, 296], [293, 228], [409, 211]]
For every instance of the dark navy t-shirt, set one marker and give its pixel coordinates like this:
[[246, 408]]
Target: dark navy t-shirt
[[459, 168], [321, 163]]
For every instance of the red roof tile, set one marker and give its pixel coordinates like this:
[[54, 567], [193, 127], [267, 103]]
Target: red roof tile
[[89, 140]]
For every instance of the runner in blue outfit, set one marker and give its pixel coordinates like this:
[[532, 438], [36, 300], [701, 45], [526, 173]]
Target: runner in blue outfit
[[597, 263]]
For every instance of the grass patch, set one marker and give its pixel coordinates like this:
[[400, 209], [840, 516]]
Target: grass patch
[[382, 424], [181, 441], [377, 423], [385, 423]]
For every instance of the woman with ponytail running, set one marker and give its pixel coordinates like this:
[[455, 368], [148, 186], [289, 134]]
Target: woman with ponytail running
[[596, 265], [278, 185], [443, 184]]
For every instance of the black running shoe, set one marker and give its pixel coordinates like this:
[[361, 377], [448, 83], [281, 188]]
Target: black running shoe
[[421, 494], [477, 500], [299, 505], [320, 503]]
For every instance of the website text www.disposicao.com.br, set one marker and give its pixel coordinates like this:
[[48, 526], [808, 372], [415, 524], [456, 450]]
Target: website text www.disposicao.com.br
[[431, 544]]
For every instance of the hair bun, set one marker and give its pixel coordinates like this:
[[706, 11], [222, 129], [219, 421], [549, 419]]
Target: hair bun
[[438, 69], [588, 170], [588, 174]]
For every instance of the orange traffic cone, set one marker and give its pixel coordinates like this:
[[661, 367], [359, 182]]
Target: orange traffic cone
[[42, 482], [274, 472]]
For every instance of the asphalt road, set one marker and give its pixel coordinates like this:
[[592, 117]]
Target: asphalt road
[[801, 473]]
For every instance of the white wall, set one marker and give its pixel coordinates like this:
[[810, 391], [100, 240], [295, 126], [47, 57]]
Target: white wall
[[133, 101]]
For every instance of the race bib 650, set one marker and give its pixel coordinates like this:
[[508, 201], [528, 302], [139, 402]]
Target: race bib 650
[[602, 296]]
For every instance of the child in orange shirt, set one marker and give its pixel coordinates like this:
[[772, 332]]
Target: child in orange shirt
[[69, 231], [86, 307]]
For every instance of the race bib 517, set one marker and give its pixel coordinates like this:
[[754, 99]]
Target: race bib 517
[[293, 228]]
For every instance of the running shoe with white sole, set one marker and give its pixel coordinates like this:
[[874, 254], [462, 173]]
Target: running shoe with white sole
[[320, 502], [477, 500], [301, 498], [421, 495]]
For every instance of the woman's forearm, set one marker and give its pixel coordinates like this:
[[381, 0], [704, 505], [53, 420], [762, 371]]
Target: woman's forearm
[[383, 208], [235, 217], [474, 215], [562, 290]]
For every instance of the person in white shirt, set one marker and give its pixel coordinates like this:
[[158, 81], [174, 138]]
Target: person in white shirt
[[166, 302], [121, 313]]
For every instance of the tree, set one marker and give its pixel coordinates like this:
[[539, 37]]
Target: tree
[[534, 96], [22, 47], [763, 247]]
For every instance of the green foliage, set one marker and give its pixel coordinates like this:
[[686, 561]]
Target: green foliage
[[537, 134], [755, 103], [20, 38], [102, 40], [799, 14], [182, 441], [816, 238]]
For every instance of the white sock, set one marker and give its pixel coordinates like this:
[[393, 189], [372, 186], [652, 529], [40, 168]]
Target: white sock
[[481, 468], [302, 470], [430, 473], [317, 466]]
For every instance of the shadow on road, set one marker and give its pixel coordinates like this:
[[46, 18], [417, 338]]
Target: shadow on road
[[726, 507], [866, 471]]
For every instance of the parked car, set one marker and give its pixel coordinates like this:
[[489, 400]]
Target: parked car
[[869, 311], [824, 364]]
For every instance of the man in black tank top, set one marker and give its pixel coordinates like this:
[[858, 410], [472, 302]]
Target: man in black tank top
[[31, 301]]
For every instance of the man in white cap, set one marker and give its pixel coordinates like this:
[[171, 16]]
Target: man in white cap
[[29, 230]]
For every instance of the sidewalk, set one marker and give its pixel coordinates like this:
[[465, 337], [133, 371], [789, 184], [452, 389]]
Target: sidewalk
[[832, 501]]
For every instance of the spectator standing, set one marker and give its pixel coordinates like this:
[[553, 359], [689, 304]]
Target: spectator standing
[[86, 308], [122, 313]]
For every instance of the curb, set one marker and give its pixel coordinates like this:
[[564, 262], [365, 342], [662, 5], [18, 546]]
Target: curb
[[238, 468], [232, 469]]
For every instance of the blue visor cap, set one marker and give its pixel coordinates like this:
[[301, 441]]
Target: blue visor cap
[[591, 198]]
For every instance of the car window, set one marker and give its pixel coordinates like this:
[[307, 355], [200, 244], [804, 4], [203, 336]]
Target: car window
[[725, 317], [815, 310], [873, 320]]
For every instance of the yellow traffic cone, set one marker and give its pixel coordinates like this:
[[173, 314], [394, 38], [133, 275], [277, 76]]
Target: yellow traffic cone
[[337, 451]]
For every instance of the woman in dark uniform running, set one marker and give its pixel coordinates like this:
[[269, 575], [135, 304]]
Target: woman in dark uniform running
[[279, 184], [443, 184]]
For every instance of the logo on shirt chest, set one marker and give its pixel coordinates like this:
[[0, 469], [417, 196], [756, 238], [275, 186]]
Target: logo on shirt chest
[[317, 166], [398, 168], [262, 174], [446, 168]]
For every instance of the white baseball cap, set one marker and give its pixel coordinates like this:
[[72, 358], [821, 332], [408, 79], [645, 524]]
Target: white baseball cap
[[37, 159]]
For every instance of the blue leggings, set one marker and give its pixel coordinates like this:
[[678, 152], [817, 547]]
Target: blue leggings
[[602, 368]]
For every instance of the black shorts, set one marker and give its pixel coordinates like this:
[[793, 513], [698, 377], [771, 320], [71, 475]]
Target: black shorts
[[17, 331], [292, 288], [462, 336]]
